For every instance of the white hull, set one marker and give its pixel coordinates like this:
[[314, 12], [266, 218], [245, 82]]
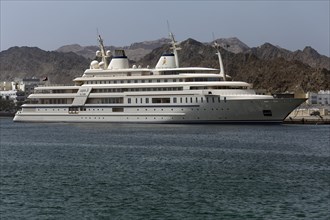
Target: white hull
[[241, 111]]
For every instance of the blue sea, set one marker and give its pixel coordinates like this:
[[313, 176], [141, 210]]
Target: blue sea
[[132, 171]]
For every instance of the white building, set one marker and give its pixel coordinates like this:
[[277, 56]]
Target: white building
[[15, 95], [18, 89], [320, 98]]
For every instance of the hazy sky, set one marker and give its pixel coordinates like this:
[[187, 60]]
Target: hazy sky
[[51, 24]]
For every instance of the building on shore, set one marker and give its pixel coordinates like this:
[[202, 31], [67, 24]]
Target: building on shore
[[19, 89], [320, 98]]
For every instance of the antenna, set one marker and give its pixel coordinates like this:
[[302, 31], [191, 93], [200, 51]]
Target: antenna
[[217, 47], [168, 27], [174, 47], [104, 55]]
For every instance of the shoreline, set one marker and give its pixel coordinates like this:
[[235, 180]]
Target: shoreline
[[308, 120]]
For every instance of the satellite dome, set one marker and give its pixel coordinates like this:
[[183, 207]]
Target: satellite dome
[[101, 64], [98, 53], [108, 53], [94, 64]]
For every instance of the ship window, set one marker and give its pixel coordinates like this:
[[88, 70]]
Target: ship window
[[191, 100], [225, 99], [117, 109], [112, 100], [181, 100], [161, 100], [202, 100], [128, 81], [207, 99], [147, 100], [174, 100], [150, 80], [267, 112], [141, 100], [174, 80], [213, 99], [186, 99], [136, 100], [129, 100], [196, 99], [135, 81]]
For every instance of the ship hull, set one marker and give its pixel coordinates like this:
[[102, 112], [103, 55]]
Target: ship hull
[[231, 111]]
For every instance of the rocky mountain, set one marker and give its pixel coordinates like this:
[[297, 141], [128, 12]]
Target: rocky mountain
[[135, 51], [275, 75], [308, 56], [266, 51], [87, 52], [267, 67], [28, 62], [232, 44]]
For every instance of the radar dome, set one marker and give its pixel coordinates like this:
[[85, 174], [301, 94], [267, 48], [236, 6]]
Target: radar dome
[[98, 53], [94, 64], [101, 64], [108, 53]]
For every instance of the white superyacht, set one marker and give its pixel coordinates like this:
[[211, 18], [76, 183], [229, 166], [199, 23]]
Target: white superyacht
[[168, 93]]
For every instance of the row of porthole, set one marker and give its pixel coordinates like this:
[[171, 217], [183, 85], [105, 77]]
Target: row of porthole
[[67, 109], [146, 118], [147, 109], [92, 118], [53, 109], [212, 109]]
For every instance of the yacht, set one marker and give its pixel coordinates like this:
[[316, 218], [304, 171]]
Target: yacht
[[115, 92]]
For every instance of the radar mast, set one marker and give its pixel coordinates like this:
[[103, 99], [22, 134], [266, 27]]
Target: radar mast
[[175, 46], [217, 47], [103, 53]]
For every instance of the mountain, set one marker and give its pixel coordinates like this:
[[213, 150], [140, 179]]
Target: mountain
[[267, 67], [275, 75], [135, 51], [308, 56], [267, 51], [28, 62], [232, 44], [87, 52]]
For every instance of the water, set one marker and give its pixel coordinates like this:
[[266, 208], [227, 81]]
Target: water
[[125, 171]]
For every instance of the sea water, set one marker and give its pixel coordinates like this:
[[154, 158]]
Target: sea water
[[132, 171]]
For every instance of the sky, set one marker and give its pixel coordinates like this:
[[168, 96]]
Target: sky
[[51, 24]]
